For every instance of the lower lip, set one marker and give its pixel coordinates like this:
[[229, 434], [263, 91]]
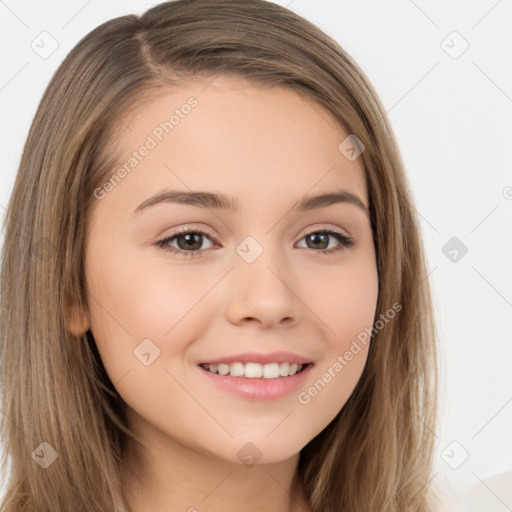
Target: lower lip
[[260, 389]]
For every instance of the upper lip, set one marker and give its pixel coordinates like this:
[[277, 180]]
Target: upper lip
[[258, 357]]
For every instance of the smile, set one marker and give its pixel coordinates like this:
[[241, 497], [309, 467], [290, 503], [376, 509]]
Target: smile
[[255, 381], [255, 370]]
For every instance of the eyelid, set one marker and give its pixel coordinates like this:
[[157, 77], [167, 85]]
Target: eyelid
[[325, 227], [310, 229]]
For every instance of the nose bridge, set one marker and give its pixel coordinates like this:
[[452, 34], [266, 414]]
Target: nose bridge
[[260, 259], [261, 282]]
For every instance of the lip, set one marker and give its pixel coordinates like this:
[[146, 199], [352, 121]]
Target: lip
[[258, 389], [257, 357]]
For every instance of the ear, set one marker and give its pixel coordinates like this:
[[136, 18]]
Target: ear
[[76, 321]]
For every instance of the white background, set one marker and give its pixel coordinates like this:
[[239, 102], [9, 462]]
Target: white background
[[452, 118]]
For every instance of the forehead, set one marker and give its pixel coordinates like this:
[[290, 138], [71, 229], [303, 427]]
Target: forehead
[[250, 141]]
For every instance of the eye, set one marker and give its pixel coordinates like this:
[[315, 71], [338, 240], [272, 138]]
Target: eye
[[189, 241], [322, 236]]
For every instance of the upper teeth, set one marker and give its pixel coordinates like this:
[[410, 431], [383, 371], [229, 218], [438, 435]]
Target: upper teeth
[[255, 370]]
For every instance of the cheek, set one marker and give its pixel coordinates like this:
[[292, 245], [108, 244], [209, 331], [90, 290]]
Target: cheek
[[346, 308], [132, 301], [346, 301], [132, 304]]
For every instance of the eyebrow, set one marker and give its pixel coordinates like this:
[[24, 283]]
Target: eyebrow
[[218, 201]]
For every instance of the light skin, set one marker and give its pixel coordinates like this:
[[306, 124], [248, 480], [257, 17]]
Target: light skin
[[267, 148]]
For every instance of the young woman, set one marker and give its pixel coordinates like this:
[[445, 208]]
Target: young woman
[[214, 293]]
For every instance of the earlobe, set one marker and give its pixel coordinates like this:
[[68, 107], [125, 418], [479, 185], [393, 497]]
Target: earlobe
[[76, 321]]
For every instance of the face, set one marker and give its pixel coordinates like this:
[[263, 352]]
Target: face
[[175, 284]]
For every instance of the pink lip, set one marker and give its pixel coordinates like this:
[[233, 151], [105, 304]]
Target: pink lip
[[255, 357], [258, 389]]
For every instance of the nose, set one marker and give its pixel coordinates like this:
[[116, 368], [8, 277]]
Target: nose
[[265, 292]]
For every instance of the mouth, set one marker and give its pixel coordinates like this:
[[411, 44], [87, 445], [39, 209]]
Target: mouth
[[256, 370], [256, 381]]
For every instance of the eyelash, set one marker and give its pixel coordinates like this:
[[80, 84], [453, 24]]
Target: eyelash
[[345, 240]]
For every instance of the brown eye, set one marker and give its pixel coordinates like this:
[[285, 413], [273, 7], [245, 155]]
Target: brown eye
[[189, 242], [320, 240]]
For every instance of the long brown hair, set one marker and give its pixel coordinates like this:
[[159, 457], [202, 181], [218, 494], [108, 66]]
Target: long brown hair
[[57, 400]]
